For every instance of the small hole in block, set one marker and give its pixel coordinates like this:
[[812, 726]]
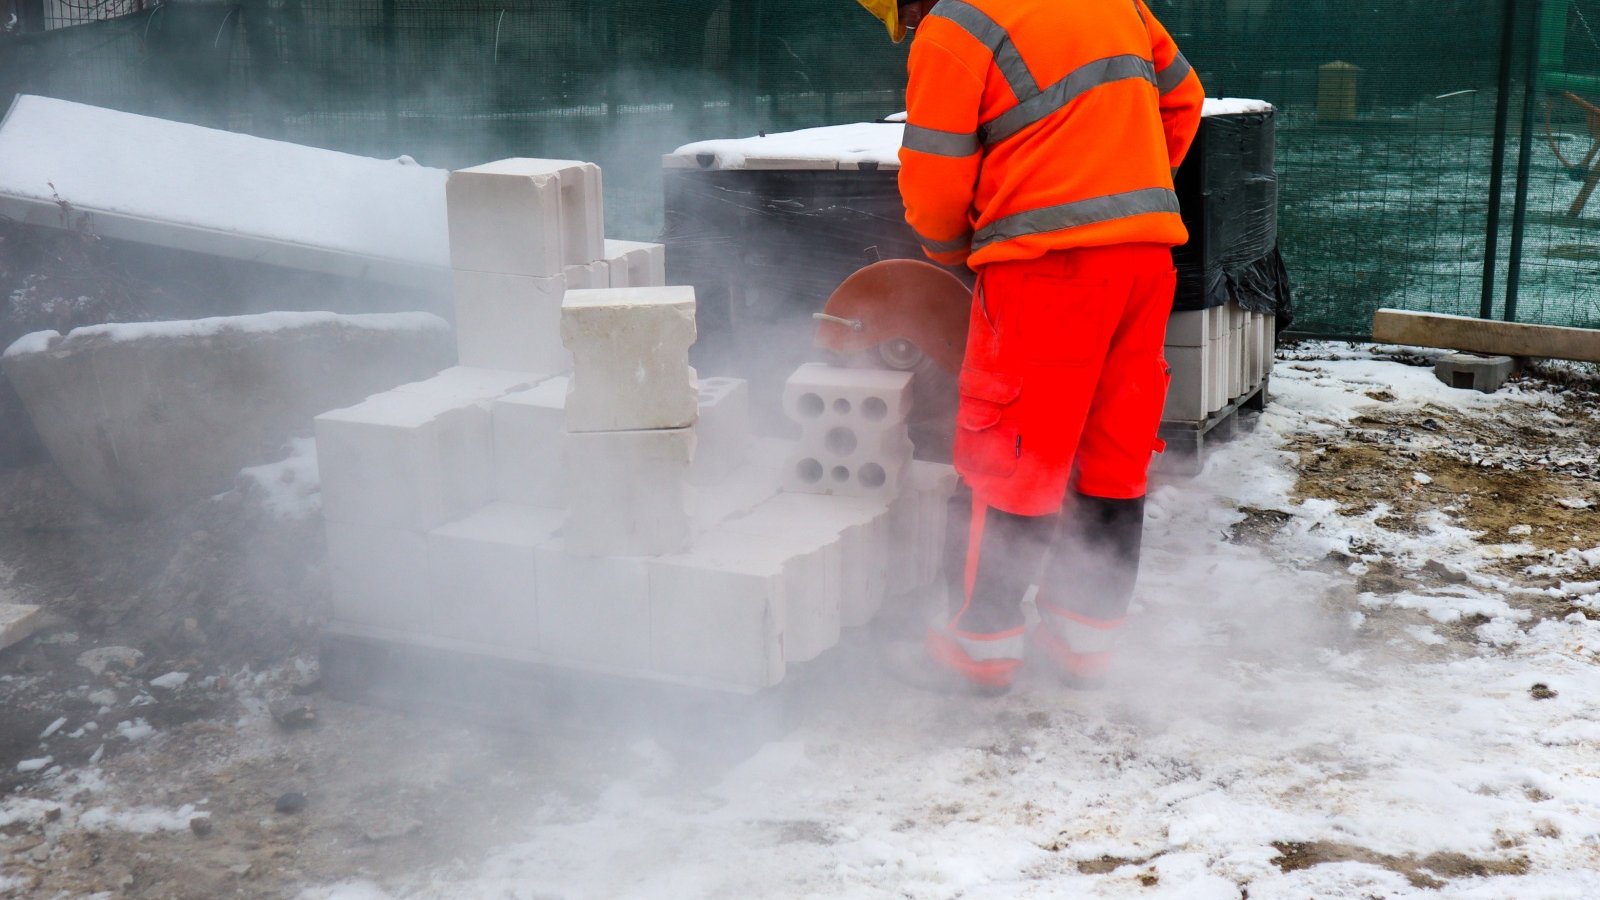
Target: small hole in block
[[841, 406], [841, 441], [873, 475], [841, 474], [809, 470], [874, 409], [811, 405], [1463, 380]]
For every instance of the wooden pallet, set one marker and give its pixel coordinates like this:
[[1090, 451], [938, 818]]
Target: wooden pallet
[[1188, 442]]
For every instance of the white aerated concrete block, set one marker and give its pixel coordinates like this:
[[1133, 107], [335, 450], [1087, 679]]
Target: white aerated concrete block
[[589, 276], [717, 612], [505, 217], [1253, 360], [1237, 349], [470, 384], [510, 322], [530, 445], [625, 491], [853, 440], [932, 485], [722, 429], [743, 489], [1218, 358], [862, 527], [814, 574], [630, 351], [636, 264], [379, 577], [593, 611], [582, 211], [1191, 393], [1269, 343], [1188, 329], [482, 576], [404, 460]]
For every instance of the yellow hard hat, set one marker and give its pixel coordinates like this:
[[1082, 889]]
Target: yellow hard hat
[[888, 12]]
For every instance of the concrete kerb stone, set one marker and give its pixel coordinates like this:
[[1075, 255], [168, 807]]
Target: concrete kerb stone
[[1474, 372]]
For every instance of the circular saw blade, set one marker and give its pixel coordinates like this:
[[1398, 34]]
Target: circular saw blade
[[898, 300]]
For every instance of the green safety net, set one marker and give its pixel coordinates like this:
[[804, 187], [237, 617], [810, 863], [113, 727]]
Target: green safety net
[[1387, 124]]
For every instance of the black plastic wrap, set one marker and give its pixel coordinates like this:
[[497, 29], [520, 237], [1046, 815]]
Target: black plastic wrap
[[1228, 191]]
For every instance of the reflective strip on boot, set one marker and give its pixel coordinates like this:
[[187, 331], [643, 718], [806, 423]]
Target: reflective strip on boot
[[1081, 633], [1087, 666], [991, 660]]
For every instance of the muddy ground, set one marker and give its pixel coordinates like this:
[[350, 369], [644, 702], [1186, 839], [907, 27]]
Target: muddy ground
[[288, 786]]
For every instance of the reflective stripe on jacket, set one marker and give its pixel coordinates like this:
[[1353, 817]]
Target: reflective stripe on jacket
[[1039, 125]]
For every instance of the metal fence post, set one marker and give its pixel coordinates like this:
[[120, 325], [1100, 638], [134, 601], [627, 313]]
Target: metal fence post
[[1497, 168], [1519, 212]]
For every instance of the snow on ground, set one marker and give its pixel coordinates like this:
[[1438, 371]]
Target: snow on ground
[[1261, 710]]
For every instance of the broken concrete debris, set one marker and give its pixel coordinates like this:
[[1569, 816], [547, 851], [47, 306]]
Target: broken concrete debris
[[17, 623], [574, 494]]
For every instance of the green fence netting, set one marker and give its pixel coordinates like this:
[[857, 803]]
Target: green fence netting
[[1390, 124]]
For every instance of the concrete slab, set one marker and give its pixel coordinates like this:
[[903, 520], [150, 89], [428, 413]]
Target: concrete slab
[[153, 415]]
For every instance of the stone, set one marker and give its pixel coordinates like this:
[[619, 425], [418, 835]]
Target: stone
[[290, 803], [625, 491], [722, 429], [405, 460], [636, 264], [484, 581], [530, 445], [717, 612], [17, 623], [525, 216], [630, 351], [510, 322], [379, 577], [1469, 371], [143, 417], [593, 611]]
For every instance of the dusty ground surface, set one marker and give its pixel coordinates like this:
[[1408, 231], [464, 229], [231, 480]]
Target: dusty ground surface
[[277, 785]]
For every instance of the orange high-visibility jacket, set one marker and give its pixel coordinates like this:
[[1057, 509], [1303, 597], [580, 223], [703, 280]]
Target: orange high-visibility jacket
[[1039, 125]]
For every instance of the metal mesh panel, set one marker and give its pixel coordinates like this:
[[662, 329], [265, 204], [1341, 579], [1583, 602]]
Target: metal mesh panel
[[1387, 126]]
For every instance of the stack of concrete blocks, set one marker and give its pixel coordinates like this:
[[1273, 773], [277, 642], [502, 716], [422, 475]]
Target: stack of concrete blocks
[[1218, 356], [573, 495]]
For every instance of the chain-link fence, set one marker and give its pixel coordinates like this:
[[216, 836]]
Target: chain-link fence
[[1420, 146]]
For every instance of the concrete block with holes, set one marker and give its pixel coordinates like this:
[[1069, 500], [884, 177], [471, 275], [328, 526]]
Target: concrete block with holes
[[530, 217], [636, 264], [481, 571], [853, 435], [717, 612], [530, 444], [625, 491], [630, 349], [404, 460], [722, 429]]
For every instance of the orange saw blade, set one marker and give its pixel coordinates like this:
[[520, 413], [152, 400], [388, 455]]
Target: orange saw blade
[[899, 298]]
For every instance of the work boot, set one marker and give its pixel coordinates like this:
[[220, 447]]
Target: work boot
[[1089, 583], [982, 640]]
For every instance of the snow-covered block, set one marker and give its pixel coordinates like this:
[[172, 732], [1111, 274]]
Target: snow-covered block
[[506, 217], [593, 611], [630, 350], [1191, 392], [1188, 329], [379, 576], [530, 445], [510, 322], [717, 612], [470, 384], [17, 622], [482, 576], [625, 491], [853, 435], [722, 429], [636, 264], [404, 460]]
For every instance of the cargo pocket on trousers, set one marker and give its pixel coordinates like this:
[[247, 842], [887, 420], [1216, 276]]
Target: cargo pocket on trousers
[[987, 439]]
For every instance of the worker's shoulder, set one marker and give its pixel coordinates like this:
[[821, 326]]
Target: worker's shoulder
[[993, 21]]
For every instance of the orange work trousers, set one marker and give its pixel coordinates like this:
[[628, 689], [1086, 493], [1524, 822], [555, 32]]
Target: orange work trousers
[[1064, 376]]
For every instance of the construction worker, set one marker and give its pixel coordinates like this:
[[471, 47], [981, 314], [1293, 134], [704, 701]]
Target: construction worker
[[1040, 146]]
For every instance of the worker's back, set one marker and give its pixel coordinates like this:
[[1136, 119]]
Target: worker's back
[[1062, 104]]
